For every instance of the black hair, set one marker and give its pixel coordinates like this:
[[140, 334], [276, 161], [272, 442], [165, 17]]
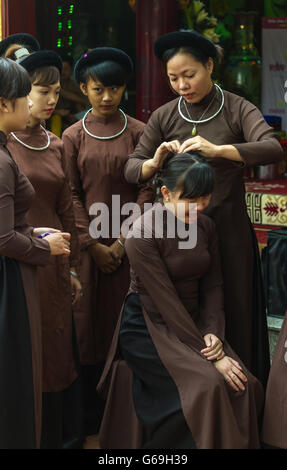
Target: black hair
[[44, 76], [41, 76], [109, 73], [188, 173], [198, 54], [14, 80]]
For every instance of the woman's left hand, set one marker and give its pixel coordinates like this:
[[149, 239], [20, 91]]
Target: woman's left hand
[[42, 230], [199, 145], [76, 289], [214, 350]]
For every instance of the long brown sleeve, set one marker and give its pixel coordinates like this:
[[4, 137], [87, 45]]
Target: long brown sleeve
[[150, 140], [81, 216], [145, 260], [14, 244], [261, 146], [211, 306], [66, 213]]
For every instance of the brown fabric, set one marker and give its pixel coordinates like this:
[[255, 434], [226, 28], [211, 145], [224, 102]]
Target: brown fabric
[[16, 241], [240, 124], [52, 207], [127, 432], [176, 288], [97, 173], [275, 414]]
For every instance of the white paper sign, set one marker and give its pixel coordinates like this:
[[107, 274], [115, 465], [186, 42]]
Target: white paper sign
[[274, 68]]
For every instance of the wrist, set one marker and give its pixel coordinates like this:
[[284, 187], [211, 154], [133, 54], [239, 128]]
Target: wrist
[[218, 151], [74, 274], [119, 241]]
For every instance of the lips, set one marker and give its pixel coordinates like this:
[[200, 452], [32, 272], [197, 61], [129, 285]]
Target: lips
[[49, 111]]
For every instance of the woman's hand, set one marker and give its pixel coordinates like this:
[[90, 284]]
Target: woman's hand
[[214, 350], [151, 166], [164, 150], [76, 287], [104, 258], [200, 145], [118, 250], [59, 243], [232, 372], [42, 230]]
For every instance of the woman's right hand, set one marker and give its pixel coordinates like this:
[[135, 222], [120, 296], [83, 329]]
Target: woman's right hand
[[163, 151], [59, 243], [151, 166], [104, 258], [232, 372]]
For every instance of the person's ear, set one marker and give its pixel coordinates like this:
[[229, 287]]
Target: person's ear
[[210, 65], [5, 105], [165, 192], [83, 88]]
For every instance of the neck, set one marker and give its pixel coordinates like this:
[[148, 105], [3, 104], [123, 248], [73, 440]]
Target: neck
[[98, 114], [33, 122]]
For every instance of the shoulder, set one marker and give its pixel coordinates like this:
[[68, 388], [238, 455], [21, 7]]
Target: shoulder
[[8, 168], [207, 224], [165, 111], [237, 103], [135, 124], [142, 231], [73, 131], [56, 142]]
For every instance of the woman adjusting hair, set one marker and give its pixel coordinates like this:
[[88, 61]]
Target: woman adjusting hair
[[230, 133], [98, 147]]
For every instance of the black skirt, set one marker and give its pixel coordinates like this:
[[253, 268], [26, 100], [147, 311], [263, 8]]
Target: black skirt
[[17, 418], [156, 398]]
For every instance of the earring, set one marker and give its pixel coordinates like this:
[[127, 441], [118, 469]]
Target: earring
[[167, 199]]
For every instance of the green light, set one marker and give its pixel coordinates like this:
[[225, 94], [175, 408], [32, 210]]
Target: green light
[[60, 11], [71, 10], [60, 26]]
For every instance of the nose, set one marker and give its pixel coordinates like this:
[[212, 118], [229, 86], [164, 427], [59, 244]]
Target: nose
[[106, 95], [182, 84], [52, 99]]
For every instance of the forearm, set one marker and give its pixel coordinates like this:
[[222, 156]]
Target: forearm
[[229, 152], [149, 169]]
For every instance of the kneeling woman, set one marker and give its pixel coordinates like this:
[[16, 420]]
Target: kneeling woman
[[190, 389]]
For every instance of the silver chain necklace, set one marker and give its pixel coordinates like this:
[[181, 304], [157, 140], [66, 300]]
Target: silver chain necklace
[[104, 138], [194, 130], [34, 148]]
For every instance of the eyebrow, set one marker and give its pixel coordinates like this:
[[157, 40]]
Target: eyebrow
[[184, 71]]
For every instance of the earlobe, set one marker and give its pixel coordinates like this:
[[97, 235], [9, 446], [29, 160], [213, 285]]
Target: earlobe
[[83, 89], [210, 65]]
